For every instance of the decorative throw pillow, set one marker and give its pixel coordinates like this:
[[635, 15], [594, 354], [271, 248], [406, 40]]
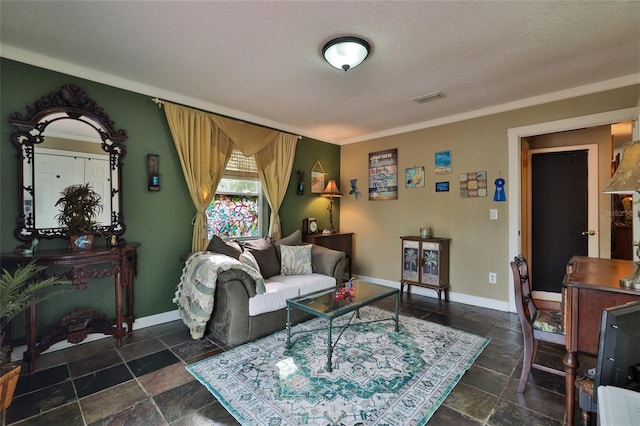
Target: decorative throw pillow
[[294, 239], [265, 254], [296, 260], [230, 248]]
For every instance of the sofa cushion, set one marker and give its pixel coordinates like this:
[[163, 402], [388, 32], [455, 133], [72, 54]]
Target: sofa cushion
[[230, 248], [280, 288], [295, 260], [293, 239], [265, 254]]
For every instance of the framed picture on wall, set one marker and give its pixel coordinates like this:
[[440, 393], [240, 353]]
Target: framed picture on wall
[[442, 186], [317, 178], [443, 162], [383, 175], [414, 177]]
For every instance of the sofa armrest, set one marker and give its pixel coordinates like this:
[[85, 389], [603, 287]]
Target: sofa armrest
[[328, 262], [234, 275], [230, 317]]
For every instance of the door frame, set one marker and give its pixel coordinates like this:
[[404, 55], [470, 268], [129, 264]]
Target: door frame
[[515, 166], [592, 205]]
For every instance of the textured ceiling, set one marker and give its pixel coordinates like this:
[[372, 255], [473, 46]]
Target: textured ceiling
[[261, 61]]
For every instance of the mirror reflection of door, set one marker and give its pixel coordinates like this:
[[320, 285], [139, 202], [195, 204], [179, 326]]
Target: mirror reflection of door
[[70, 154], [55, 172]]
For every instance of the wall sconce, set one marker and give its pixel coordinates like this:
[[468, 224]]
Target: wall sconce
[[153, 172], [331, 192], [625, 180]]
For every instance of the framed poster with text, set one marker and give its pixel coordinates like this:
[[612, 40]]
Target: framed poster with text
[[383, 175]]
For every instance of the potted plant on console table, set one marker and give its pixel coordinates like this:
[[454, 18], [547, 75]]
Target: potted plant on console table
[[18, 291], [80, 206]]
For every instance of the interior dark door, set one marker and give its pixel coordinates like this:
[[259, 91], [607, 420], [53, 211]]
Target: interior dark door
[[559, 215]]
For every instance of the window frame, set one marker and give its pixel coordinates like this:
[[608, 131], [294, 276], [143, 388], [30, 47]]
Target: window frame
[[262, 204]]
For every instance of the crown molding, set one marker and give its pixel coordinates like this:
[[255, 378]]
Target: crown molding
[[588, 89], [57, 65]]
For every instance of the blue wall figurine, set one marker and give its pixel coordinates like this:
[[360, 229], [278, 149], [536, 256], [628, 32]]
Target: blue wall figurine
[[499, 194], [354, 188]]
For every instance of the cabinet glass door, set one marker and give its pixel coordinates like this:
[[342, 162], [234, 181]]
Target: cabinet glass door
[[430, 263], [410, 260]]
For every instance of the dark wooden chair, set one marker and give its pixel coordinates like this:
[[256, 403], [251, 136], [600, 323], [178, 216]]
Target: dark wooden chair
[[537, 325]]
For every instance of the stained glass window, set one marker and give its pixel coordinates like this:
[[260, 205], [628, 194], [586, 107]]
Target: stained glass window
[[235, 211]]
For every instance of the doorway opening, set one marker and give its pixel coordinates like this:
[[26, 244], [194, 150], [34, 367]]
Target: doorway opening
[[516, 190]]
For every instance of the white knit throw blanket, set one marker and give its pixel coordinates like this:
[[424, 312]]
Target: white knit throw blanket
[[194, 295]]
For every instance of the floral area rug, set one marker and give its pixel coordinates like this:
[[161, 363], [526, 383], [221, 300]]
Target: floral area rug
[[379, 377]]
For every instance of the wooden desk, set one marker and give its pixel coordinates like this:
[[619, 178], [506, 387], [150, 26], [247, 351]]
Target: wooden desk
[[589, 286], [341, 241], [121, 262]]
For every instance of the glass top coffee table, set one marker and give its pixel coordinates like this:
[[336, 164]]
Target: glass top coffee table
[[337, 301]]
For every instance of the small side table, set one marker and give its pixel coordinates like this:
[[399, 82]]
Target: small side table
[[425, 263]]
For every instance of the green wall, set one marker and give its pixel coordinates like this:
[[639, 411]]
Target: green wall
[[296, 207], [159, 221]]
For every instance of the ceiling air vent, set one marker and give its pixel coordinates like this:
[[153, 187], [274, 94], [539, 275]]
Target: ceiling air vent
[[429, 97]]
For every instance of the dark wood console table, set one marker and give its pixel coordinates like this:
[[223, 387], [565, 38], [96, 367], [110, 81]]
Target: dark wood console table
[[79, 267], [589, 286]]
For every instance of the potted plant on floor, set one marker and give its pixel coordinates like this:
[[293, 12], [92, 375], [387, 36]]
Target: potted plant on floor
[[19, 290], [80, 206]]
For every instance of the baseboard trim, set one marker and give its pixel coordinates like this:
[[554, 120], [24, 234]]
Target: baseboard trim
[[453, 296]]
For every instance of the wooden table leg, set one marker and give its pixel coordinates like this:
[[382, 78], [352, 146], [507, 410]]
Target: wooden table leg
[[119, 333], [570, 361], [32, 337]]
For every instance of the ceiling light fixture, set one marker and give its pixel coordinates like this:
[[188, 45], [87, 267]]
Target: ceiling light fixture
[[345, 53]]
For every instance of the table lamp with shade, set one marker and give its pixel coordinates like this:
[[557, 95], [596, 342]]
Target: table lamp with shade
[[626, 180], [331, 192]]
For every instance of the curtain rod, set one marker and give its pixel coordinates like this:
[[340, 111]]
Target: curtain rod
[[160, 103]]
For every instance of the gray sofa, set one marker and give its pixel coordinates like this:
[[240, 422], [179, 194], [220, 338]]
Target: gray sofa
[[231, 321]]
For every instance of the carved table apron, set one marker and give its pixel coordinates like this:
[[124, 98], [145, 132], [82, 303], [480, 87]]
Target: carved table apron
[[79, 267]]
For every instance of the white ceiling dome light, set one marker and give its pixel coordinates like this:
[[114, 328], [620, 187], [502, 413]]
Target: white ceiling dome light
[[345, 53]]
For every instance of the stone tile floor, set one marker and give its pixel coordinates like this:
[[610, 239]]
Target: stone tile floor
[[145, 382]]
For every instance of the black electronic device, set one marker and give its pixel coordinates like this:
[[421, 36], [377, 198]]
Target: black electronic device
[[618, 362]]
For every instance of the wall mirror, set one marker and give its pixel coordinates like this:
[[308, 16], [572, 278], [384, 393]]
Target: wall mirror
[[66, 139]]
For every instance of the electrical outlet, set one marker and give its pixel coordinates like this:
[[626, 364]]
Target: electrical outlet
[[493, 278]]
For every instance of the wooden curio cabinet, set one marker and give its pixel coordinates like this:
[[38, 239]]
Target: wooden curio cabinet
[[425, 263]]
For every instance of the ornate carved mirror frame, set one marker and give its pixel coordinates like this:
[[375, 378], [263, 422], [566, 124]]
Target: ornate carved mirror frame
[[69, 103]]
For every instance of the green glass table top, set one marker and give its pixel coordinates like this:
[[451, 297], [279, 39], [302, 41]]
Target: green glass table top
[[332, 302]]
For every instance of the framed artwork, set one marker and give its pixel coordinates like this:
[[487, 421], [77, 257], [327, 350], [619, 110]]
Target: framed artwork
[[443, 162], [317, 178], [383, 175], [442, 186], [473, 185], [414, 177]]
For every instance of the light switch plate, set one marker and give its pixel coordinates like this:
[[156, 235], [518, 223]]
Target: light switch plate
[[493, 214]]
